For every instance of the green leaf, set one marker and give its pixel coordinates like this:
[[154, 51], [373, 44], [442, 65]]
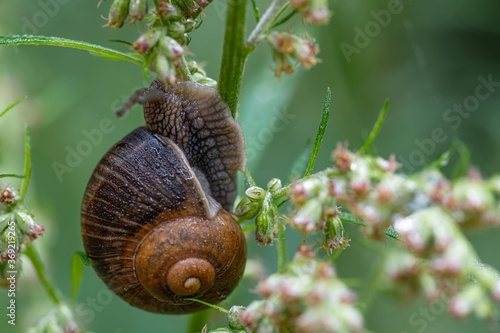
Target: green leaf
[[27, 164], [444, 159], [392, 233], [69, 43], [321, 132], [76, 274], [256, 11], [83, 257], [12, 105], [351, 218], [10, 175], [463, 164], [376, 128], [284, 19]]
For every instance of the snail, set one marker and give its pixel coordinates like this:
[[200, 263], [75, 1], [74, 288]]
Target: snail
[[155, 221]]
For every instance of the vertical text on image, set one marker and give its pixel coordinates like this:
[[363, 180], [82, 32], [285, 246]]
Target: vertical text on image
[[11, 272]]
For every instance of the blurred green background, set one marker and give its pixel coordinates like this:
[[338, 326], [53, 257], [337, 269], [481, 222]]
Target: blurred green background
[[426, 59]]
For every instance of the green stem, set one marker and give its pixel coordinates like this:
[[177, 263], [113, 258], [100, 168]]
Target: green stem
[[12, 105], [250, 179], [212, 306], [184, 69], [265, 23], [32, 254], [11, 175], [281, 247], [27, 163], [234, 54]]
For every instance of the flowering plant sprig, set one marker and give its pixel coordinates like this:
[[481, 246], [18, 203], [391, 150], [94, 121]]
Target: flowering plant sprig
[[307, 297], [169, 22], [428, 223], [17, 226], [426, 213], [18, 230]]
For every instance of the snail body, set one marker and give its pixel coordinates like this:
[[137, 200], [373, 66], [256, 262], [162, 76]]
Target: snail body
[[154, 215]]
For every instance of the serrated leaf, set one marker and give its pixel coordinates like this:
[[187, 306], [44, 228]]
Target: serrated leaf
[[376, 128], [321, 132], [69, 43]]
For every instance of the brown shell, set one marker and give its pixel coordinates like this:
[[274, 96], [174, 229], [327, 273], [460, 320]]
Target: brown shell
[[145, 217]]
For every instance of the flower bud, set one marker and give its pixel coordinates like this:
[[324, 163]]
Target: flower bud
[[313, 11], [167, 10], [255, 193], [266, 222], [474, 198], [305, 52], [234, 317], [282, 65], [118, 13], [25, 221], [471, 299], [7, 196], [165, 70], [334, 235], [308, 217], [176, 29], [191, 8], [137, 10], [252, 315], [189, 25], [170, 48], [206, 81], [247, 209], [274, 185], [147, 40]]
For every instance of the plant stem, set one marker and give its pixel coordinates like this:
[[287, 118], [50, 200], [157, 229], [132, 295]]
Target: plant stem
[[266, 21], [250, 179], [12, 105], [234, 54], [184, 69], [32, 254], [281, 247], [27, 163]]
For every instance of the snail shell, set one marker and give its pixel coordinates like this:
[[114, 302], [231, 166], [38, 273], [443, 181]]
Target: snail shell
[[154, 220]]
